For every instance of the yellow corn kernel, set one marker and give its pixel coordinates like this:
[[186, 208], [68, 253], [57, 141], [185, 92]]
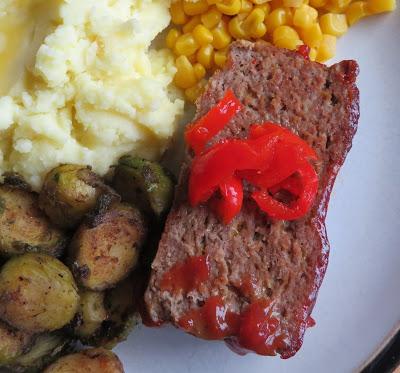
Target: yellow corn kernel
[[285, 32], [337, 6], [220, 58], [194, 92], [318, 3], [211, 18], [266, 8], [185, 76], [221, 37], [258, 31], [178, 16], [260, 2], [292, 3], [313, 54], [312, 36], [380, 6], [256, 16], [193, 8], [253, 24], [236, 29], [212, 2], [246, 6], [199, 71], [327, 48], [333, 24], [288, 43], [202, 35], [356, 11], [286, 37], [276, 18], [305, 16], [205, 56], [229, 7], [191, 24], [186, 45], [172, 37]]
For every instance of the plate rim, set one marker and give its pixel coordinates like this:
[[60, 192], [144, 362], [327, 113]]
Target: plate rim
[[386, 357]]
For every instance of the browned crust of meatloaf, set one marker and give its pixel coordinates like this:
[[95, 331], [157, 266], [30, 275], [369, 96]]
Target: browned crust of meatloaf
[[287, 259]]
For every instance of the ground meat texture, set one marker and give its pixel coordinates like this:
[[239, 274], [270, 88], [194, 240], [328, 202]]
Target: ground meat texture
[[285, 261]]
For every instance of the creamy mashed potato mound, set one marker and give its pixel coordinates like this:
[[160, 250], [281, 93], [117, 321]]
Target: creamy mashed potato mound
[[79, 84]]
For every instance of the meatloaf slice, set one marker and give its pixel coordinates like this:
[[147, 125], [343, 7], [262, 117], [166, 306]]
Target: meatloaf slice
[[284, 260]]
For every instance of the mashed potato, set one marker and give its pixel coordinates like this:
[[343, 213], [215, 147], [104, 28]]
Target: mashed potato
[[85, 88]]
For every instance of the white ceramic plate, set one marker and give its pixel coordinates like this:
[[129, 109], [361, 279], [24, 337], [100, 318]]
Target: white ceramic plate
[[359, 302]]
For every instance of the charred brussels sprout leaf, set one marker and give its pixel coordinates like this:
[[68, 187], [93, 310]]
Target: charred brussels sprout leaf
[[24, 227], [121, 306], [37, 293], [91, 315], [91, 360], [145, 184], [46, 349], [69, 192], [106, 247], [13, 343]]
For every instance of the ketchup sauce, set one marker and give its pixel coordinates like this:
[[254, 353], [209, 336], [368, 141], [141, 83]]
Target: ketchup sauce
[[186, 276]]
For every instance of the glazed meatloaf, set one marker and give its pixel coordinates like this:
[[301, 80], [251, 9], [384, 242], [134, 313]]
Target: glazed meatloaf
[[256, 258]]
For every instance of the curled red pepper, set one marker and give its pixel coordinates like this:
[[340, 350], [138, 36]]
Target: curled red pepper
[[297, 208], [272, 159], [230, 203], [198, 134], [218, 165]]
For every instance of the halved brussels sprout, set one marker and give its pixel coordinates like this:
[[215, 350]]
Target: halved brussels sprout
[[69, 192], [13, 343], [37, 293], [106, 247], [91, 315], [144, 183], [24, 227], [121, 305], [95, 360], [45, 349]]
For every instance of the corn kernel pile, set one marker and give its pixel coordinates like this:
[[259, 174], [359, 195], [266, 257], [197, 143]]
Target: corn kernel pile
[[205, 28]]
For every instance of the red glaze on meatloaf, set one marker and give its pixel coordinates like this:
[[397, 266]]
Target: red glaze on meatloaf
[[255, 258]]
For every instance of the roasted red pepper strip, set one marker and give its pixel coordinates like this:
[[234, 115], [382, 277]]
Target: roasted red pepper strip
[[292, 185], [230, 203], [198, 134], [272, 159], [287, 159], [258, 131], [296, 209], [219, 164]]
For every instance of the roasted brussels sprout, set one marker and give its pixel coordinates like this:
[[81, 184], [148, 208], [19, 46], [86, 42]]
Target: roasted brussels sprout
[[106, 247], [144, 183], [45, 349], [95, 360], [13, 343], [121, 306], [69, 192], [91, 315], [24, 227], [37, 293]]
